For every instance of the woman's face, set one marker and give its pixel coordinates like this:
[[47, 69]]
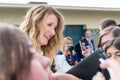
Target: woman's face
[[114, 53], [68, 43], [106, 38], [47, 29]]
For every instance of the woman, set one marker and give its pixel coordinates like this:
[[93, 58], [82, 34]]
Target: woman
[[113, 49], [44, 26], [67, 49], [20, 61], [66, 57]]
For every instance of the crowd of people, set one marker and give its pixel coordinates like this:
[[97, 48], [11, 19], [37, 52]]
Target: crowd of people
[[37, 49]]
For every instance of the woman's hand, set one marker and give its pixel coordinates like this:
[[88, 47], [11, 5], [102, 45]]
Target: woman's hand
[[114, 65], [98, 76], [63, 76]]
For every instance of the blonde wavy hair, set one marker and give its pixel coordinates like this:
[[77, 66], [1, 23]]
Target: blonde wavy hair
[[64, 42], [30, 25]]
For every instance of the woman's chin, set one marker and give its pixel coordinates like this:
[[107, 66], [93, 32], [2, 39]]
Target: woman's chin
[[44, 43]]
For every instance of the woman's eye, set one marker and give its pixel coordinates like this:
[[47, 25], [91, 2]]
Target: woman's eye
[[118, 54], [55, 29], [49, 25], [109, 55]]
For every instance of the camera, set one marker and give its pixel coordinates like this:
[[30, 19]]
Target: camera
[[71, 47]]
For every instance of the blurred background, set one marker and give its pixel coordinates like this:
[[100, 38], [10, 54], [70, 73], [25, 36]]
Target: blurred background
[[79, 15]]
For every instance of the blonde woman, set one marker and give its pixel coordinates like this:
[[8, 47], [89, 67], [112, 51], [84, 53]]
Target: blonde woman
[[44, 26], [67, 49]]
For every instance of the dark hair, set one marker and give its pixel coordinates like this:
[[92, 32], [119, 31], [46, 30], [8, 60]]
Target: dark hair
[[115, 42], [81, 38], [15, 54], [107, 22], [116, 32]]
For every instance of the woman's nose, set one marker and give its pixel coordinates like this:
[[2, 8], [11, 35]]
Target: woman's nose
[[113, 56], [52, 32]]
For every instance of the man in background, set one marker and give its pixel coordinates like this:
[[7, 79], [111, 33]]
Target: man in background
[[106, 23], [88, 41]]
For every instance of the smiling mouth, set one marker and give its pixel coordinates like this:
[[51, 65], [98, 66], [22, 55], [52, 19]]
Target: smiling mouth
[[47, 37]]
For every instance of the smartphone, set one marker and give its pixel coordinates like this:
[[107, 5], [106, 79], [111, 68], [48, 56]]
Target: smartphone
[[88, 67]]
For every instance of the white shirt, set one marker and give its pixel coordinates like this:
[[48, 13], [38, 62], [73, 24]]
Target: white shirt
[[61, 64]]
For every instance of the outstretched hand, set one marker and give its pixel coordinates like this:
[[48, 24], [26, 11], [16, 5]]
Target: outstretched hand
[[63, 76], [114, 65]]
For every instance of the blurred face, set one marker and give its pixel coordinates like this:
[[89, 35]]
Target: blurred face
[[114, 53], [88, 34], [105, 39], [67, 44], [47, 29]]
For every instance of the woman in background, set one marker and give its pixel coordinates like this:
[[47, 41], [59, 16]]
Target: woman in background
[[68, 51], [66, 56]]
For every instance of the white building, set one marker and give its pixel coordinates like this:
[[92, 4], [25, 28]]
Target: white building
[[77, 18]]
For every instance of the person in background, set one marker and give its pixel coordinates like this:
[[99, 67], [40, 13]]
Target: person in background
[[19, 59], [44, 25], [108, 34], [67, 49], [86, 50], [78, 49], [88, 41], [106, 23]]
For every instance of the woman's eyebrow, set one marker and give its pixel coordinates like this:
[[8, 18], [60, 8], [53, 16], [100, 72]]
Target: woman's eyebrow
[[117, 52]]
